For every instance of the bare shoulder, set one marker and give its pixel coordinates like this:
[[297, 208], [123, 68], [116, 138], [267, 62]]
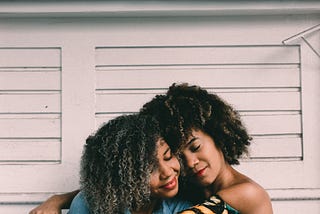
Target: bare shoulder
[[247, 197]]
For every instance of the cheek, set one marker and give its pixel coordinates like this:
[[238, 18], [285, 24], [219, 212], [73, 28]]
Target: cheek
[[176, 165], [154, 181]]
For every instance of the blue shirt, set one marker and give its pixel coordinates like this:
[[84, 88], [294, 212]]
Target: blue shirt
[[79, 205]]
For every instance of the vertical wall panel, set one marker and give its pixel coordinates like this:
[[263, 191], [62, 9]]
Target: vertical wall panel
[[30, 105]]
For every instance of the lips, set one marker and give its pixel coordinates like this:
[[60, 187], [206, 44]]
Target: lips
[[201, 172], [171, 184]]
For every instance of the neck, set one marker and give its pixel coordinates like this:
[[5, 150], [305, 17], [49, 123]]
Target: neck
[[225, 178]]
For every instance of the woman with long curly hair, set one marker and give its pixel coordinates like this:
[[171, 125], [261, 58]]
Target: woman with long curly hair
[[210, 137], [126, 167]]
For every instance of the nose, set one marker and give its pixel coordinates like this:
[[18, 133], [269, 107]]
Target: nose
[[165, 171], [190, 160]]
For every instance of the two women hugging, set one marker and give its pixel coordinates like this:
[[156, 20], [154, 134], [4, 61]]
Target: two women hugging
[[174, 156]]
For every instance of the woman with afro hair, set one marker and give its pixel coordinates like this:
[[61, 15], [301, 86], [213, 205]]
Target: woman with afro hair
[[126, 167], [210, 137]]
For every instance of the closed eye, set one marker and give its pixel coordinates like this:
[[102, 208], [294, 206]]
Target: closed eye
[[195, 148], [167, 155]]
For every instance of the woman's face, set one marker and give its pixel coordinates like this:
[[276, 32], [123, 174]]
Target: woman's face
[[164, 178], [203, 159]]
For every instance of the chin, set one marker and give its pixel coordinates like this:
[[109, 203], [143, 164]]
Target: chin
[[204, 182], [170, 194]]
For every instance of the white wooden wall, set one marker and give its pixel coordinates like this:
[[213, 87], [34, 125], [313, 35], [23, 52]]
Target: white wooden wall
[[64, 73]]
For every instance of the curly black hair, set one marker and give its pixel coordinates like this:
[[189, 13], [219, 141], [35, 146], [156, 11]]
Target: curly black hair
[[185, 108], [117, 162]]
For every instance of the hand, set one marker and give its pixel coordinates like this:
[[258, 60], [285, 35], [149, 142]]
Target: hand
[[55, 203], [50, 206]]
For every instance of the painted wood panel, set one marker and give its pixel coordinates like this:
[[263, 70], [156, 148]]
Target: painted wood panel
[[296, 206], [78, 76], [261, 82], [272, 123], [28, 150], [30, 126], [258, 124], [232, 76], [29, 57], [269, 141], [206, 55], [26, 102], [242, 100], [30, 105], [30, 79], [273, 147]]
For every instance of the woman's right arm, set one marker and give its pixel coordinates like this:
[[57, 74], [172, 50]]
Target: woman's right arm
[[55, 204]]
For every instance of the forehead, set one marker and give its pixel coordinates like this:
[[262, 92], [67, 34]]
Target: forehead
[[161, 144], [161, 147], [192, 135]]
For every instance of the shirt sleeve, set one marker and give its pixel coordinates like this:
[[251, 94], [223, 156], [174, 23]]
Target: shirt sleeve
[[79, 205], [175, 205]]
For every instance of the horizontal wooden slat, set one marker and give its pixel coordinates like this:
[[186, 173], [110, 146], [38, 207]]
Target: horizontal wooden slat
[[121, 102], [30, 57], [25, 197], [276, 147], [264, 101], [272, 123], [129, 101], [295, 194], [30, 102], [257, 124], [205, 76], [13, 208], [104, 118], [197, 55], [30, 126], [30, 80], [25, 207], [296, 205], [29, 150]]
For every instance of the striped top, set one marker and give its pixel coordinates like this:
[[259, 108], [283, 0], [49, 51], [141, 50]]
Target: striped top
[[213, 205]]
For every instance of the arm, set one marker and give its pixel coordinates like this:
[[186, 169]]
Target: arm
[[55, 203], [248, 198]]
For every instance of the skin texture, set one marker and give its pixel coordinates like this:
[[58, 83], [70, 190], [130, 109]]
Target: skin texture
[[125, 165], [164, 179], [209, 134], [163, 183], [208, 169], [202, 157], [186, 112]]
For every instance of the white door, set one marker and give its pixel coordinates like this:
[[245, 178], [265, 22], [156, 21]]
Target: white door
[[61, 78]]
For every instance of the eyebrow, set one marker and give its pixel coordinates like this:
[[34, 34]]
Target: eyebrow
[[192, 140], [166, 151]]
